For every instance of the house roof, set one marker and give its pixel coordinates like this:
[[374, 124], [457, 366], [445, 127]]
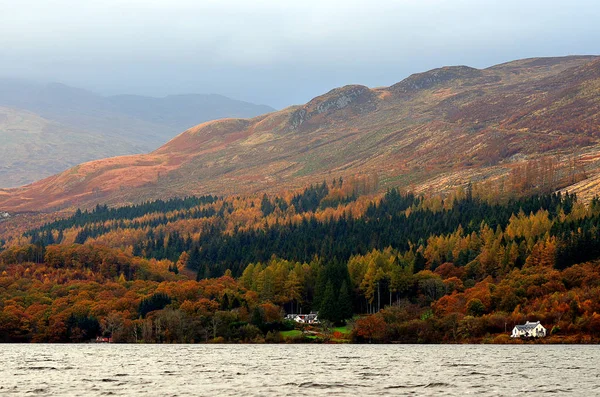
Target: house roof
[[527, 326]]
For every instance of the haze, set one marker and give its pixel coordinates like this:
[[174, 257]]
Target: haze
[[276, 52]]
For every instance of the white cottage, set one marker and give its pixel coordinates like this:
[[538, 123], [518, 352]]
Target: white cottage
[[303, 318], [529, 330]]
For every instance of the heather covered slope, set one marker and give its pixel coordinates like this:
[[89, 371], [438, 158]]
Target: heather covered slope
[[433, 130]]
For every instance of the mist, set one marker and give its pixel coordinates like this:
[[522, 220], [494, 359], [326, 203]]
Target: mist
[[274, 52]]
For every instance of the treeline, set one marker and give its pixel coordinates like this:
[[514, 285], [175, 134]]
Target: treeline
[[400, 221], [76, 302], [103, 213], [96, 259], [415, 268], [566, 302], [578, 238], [384, 224], [67, 301], [99, 229], [311, 199]]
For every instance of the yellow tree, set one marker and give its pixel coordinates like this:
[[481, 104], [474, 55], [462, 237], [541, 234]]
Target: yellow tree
[[293, 287], [182, 262]]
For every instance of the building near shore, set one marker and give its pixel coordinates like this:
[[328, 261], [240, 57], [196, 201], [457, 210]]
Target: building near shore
[[529, 330], [311, 318]]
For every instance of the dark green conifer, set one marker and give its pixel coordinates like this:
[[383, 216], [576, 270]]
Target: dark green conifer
[[329, 308], [344, 303]]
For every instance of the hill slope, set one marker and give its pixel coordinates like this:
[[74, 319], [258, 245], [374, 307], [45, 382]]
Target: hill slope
[[33, 146], [80, 126], [430, 131]]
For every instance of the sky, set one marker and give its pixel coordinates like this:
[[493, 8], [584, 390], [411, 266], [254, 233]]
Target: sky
[[277, 52]]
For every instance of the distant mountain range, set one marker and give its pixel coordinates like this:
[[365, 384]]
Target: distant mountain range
[[432, 131], [45, 129]]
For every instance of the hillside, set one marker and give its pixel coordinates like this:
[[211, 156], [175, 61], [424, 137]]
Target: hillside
[[46, 129], [431, 131], [391, 268], [33, 147]]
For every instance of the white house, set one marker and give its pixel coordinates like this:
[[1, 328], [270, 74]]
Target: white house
[[304, 318], [529, 330]]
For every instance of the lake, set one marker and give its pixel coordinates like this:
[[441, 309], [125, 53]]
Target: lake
[[298, 370]]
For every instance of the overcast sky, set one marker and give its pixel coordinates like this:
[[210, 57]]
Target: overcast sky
[[277, 52]]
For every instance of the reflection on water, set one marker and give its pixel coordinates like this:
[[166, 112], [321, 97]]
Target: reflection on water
[[297, 370]]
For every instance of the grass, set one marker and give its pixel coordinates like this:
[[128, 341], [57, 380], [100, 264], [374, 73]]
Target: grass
[[291, 334], [317, 336], [343, 330]]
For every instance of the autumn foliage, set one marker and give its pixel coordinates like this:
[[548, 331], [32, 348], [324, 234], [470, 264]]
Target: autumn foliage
[[412, 268]]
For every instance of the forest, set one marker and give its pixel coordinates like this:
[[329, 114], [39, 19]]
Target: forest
[[392, 267]]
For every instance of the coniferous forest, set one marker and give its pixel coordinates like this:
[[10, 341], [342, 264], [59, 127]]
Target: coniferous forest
[[392, 267]]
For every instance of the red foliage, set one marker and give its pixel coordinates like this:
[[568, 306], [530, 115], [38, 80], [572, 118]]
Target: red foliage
[[370, 328]]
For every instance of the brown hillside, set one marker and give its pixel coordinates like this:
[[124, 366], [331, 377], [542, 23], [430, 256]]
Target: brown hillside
[[433, 130]]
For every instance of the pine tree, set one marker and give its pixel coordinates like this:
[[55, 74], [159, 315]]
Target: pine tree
[[257, 317], [344, 303], [194, 260], [225, 302], [420, 262], [266, 206], [329, 308]]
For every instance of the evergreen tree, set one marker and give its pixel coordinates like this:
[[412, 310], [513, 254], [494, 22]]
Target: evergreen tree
[[225, 302], [329, 307], [266, 206], [257, 317], [344, 303], [194, 260], [419, 263], [155, 302]]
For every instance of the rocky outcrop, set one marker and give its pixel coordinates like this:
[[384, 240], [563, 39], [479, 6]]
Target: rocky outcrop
[[435, 77], [357, 96]]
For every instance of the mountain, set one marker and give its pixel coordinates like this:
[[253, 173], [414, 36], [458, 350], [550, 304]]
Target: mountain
[[431, 131], [33, 146], [74, 125], [183, 111]]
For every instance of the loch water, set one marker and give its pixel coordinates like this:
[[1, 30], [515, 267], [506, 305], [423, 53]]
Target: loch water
[[298, 370]]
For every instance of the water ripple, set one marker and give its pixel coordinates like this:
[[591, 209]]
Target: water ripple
[[298, 370]]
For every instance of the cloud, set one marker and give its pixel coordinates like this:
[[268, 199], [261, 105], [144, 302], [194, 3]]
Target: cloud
[[251, 49]]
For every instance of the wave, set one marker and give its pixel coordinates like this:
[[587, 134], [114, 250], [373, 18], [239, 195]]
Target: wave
[[328, 385], [424, 385], [37, 368]]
